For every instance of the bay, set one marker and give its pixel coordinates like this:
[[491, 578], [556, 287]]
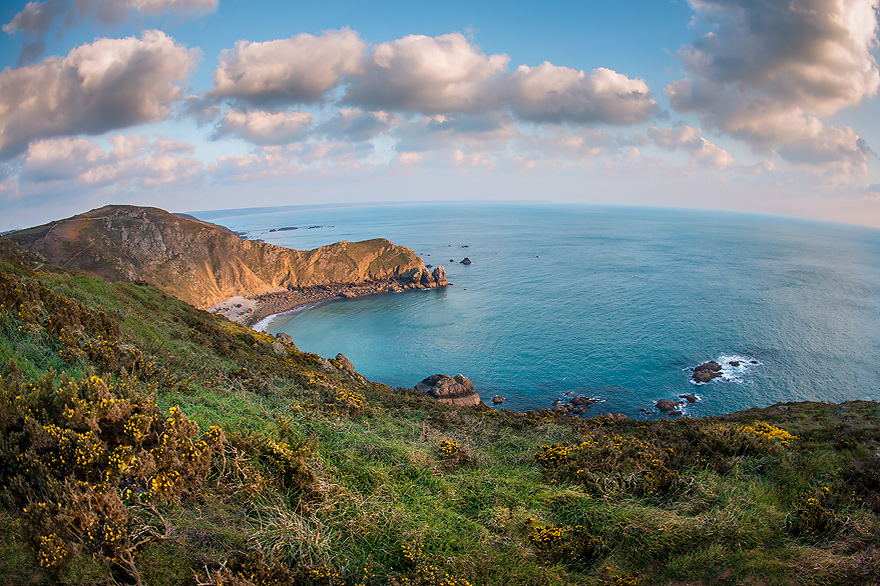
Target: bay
[[613, 303]]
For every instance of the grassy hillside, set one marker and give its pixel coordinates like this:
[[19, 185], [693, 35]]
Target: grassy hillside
[[143, 441]]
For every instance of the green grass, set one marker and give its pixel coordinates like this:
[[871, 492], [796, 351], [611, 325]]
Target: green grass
[[319, 479]]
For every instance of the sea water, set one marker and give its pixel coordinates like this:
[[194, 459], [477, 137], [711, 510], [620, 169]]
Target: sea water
[[616, 304]]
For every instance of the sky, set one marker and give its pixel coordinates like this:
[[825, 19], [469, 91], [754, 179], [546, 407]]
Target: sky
[[761, 106]]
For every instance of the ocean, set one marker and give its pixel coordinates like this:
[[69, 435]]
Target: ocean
[[612, 303]]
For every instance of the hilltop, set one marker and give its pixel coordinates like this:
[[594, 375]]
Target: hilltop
[[204, 264], [144, 441]]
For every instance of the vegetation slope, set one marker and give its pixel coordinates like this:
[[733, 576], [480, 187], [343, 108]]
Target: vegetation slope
[[143, 441]]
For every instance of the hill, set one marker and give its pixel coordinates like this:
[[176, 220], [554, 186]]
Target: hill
[[143, 441], [204, 264]]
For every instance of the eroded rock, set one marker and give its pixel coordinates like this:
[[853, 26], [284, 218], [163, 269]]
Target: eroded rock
[[457, 390]]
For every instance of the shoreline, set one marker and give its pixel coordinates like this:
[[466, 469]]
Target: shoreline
[[258, 310]]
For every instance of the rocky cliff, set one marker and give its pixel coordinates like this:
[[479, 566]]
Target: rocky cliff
[[204, 264]]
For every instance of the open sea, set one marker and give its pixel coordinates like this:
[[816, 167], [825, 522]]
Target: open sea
[[612, 303]]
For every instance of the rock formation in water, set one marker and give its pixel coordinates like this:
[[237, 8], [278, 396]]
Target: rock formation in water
[[456, 390], [706, 371], [204, 264]]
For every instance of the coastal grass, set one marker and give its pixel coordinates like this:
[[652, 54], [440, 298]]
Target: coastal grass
[[145, 442]]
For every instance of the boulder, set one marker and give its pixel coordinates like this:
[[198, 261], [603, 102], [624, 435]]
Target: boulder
[[285, 339], [345, 362], [734, 363], [456, 390], [498, 399], [706, 371], [690, 398], [667, 405], [465, 261], [327, 366], [439, 275]]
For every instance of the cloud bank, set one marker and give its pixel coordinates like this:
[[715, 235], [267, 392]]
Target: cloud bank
[[423, 75], [102, 86], [766, 72]]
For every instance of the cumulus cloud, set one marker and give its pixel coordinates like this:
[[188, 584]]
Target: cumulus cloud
[[549, 93], [38, 18], [105, 85], [766, 72], [445, 75], [429, 75], [137, 159], [298, 70], [702, 152], [265, 128]]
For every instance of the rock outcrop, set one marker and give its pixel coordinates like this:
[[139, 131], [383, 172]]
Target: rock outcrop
[[204, 264], [667, 405], [706, 372], [456, 390]]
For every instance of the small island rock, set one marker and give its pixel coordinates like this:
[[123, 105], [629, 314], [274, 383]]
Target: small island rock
[[706, 371], [465, 261], [666, 405], [498, 399], [456, 390]]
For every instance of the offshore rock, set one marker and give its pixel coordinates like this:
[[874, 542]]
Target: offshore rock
[[439, 275], [706, 372], [666, 405], [456, 390], [465, 261]]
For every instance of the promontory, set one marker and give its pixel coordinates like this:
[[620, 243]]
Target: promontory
[[205, 264]]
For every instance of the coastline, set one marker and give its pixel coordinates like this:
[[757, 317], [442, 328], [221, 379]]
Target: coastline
[[254, 311]]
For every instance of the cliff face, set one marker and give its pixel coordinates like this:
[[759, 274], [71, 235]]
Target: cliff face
[[203, 264]]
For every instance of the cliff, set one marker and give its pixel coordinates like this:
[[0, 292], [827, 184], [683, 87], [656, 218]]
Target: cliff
[[204, 264]]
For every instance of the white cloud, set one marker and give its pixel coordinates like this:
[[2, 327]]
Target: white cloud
[[105, 85], [676, 138], [429, 75], [702, 152], [137, 159], [549, 93], [711, 155], [474, 159], [266, 128], [38, 18], [767, 71], [410, 158], [298, 70]]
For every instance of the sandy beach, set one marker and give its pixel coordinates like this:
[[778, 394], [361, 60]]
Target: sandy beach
[[253, 309]]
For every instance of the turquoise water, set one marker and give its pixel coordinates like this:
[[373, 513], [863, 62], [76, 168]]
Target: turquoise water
[[613, 303]]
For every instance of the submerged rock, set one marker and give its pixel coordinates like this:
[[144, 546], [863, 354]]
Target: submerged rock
[[456, 390], [690, 398], [585, 401]]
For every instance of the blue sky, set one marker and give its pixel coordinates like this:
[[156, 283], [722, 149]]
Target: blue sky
[[765, 106]]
